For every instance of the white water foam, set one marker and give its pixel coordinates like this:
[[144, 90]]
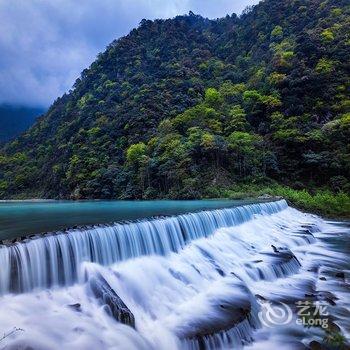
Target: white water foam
[[201, 294]]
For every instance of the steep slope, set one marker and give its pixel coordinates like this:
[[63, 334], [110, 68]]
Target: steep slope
[[251, 98]]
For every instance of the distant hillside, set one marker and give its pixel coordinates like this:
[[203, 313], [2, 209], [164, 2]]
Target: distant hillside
[[14, 120], [183, 106]]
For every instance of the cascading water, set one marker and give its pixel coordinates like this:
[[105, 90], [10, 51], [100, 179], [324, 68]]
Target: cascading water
[[194, 281], [55, 258]]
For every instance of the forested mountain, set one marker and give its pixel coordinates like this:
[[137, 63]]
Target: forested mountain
[[16, 119], [182, 105]]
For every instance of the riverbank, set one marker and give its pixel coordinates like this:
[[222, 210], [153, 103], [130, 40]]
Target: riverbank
[[318, 201], [322, 202]]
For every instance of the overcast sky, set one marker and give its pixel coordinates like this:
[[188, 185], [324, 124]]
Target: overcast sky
[[45, 44]]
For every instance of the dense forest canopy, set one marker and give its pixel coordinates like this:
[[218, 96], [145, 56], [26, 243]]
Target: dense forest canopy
[[181, 105]]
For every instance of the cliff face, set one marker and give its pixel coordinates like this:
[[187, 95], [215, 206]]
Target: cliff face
[[182, 104]]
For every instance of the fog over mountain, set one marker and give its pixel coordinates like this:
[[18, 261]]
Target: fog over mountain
[[16, 119], [45, 45]]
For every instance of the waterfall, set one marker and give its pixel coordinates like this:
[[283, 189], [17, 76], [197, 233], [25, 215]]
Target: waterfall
[[55, 259], [189, 282]]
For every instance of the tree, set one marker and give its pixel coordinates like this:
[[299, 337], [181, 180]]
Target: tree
[[136, 152], [213, 98]]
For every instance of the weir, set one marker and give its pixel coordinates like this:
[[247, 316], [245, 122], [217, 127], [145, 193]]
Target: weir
[[55, 259], [193, 281]]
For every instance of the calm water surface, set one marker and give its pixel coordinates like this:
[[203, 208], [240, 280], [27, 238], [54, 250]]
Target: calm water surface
[[22, 218]]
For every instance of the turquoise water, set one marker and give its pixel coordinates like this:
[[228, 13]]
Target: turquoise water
[[22, 218]]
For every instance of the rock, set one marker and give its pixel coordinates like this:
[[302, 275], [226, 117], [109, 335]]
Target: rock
[[265, 196], [210, 258], [333, 327], [274, 248], [340, 275], [260, 297], [76, 307], [311, 295], [323, 278], [220, 272], [227, 312], [325, 295], [311, 228], [315, 345], [108, 297], [330, 301], [282, 262]]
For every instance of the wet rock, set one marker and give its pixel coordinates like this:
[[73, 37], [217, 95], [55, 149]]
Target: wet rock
[[108, 297], [279, 256], [315, 345], [333, 327], [75, 307], [211, 259], [310, 295], [265, 196], [311, 228], [280, 263], [220, 272], [179, 276], [304, 232], [260, 297], [323, 278], [274, 248], [331, 302], [327, 296], [226, 313], [340, 275], [295, 345]]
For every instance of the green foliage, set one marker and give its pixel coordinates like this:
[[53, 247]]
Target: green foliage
[[325, 66], [237, 120], [336, 12], [335, 339], [320, 201], [184, 105], [327, 35], [242, 142], [277, 32], [84, 100], [213, 97], [136, 152], [3, 186], [276, 78]]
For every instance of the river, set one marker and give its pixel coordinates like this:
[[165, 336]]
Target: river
[[20, 218], [212, 275]]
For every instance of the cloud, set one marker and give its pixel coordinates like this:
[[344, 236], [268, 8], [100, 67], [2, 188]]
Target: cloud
[[45, 45]]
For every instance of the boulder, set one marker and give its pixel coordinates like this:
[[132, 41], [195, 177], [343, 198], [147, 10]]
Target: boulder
[[109, 298]]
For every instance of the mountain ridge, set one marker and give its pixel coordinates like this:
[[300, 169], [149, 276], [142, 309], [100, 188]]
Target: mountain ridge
[[184, 104]]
